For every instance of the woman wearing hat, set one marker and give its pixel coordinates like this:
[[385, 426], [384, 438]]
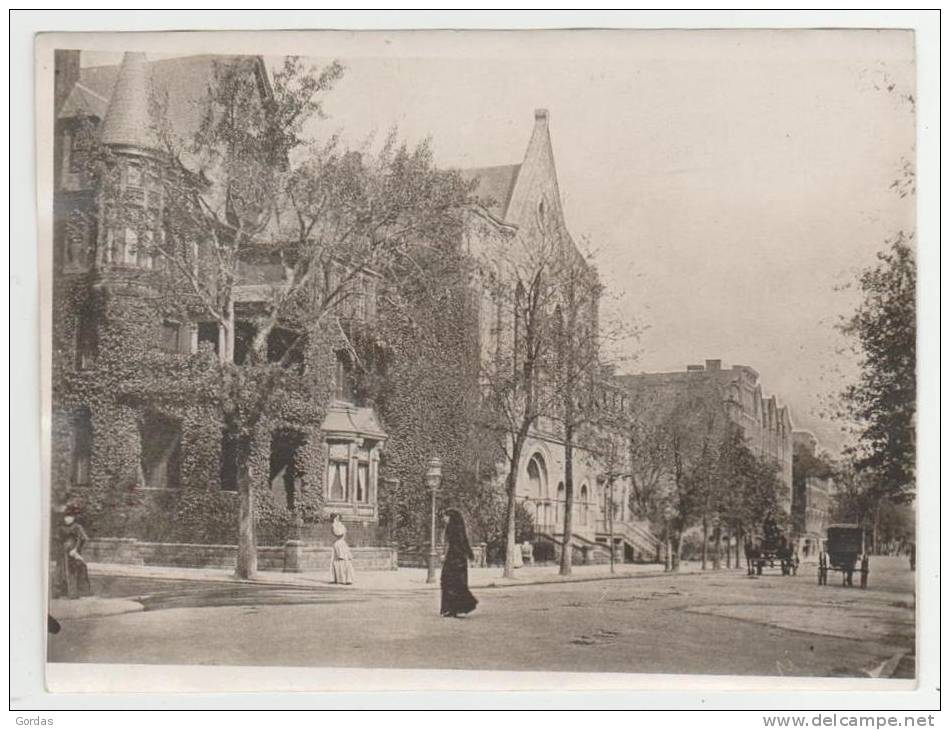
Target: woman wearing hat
[[75, 575], [342, 565]]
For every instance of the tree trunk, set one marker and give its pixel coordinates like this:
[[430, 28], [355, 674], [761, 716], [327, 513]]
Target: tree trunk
[[717, 537], [566, 549], [246, 567], [247, 542], [728, 551], [875, 527], [705, 540], [668, 550], [511, 484], [226, 336]]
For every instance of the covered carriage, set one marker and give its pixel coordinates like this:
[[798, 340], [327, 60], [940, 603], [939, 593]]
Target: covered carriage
[[844, 552]]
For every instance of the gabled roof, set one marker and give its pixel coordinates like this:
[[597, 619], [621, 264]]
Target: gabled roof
[[84, 102], [516, 192], [494, 188]]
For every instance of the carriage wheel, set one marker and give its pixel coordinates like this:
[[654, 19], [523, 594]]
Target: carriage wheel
[[865, 569]]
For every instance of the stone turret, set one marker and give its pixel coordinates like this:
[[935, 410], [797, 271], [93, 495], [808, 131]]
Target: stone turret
[[128, 235], [128, 123]]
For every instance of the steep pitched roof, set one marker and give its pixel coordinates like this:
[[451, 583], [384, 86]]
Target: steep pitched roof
[[128, 120], [513, 193], [494, 188], [537, 180]]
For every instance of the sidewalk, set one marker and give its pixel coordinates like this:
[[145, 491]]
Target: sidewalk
[[404, 579]]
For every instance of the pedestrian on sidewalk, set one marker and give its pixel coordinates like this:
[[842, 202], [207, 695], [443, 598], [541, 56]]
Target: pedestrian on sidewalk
[[74, 576], [342, 563], [456, 598]]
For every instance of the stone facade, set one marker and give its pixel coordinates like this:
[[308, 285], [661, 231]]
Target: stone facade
[[814, 490], [765, 424], [519, 199]]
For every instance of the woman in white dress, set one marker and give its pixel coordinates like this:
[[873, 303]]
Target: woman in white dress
[[342, 563]]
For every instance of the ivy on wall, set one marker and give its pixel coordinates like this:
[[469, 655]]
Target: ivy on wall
[[127, 378], [425, 387]]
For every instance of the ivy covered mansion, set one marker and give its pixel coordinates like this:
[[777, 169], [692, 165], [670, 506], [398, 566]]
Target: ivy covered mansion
[[142, 441]]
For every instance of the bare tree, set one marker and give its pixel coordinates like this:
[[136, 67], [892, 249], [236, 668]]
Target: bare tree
[[515, 377]]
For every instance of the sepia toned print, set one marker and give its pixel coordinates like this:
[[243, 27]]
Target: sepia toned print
[[514, 361]]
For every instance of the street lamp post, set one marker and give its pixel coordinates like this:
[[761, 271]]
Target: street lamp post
[[610, 515], [433, 480]]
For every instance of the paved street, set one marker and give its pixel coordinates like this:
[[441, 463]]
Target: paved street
[[721, 623]]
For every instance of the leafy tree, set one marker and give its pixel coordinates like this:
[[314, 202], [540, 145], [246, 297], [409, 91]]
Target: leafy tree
[[883, 401], [674, 458]]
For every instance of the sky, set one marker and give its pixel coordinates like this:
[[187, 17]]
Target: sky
[[730, 183]]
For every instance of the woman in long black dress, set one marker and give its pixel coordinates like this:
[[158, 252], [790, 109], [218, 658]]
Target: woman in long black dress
[[456, 598]]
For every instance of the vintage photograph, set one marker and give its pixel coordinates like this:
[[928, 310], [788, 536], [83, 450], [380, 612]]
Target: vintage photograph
[[564, 351]]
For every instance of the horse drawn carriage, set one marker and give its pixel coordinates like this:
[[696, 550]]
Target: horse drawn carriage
[[773, 549], [844, 552]]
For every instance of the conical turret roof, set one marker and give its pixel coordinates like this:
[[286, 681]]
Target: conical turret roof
[[128, 121]]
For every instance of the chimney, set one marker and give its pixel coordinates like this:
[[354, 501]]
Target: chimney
[[541, 117], [66, 73], [714, 364]]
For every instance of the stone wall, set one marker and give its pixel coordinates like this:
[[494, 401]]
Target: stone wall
[[293, 557]]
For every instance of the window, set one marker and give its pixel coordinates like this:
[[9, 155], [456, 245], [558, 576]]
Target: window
[[233, 464], [362, 483], [537, 477], [338, 481], [161, 451], [81, 447], [87, 338], [171, 337], [78, 144], [131, 247], [133, 175], [282, 341], [284, 476], [244, 332], [76, 248], [208, 335], [144, 251], [370, 304]]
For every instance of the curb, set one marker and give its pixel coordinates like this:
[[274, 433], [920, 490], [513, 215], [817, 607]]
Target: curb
[[493, 584], [583, 579]]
